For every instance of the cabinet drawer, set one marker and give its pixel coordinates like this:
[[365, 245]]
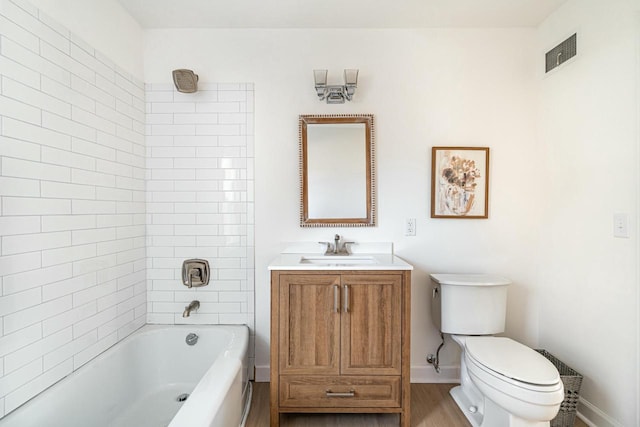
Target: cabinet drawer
[[339, 392]]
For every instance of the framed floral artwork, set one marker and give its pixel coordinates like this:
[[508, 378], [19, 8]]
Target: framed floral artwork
[[460, 182]]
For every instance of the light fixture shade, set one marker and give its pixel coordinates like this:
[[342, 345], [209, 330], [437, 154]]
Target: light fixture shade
[[335, 94], [320, 77], [351, 77]]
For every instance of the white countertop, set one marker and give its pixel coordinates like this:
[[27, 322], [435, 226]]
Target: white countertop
[[360, 261]]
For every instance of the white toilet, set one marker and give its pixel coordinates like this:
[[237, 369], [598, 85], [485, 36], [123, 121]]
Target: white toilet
[[503, 383]]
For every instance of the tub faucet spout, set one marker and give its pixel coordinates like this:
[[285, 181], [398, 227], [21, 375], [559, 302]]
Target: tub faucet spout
[[193, 305]]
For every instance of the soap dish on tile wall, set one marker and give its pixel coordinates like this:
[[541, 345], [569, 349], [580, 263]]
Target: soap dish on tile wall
[[195, 273]]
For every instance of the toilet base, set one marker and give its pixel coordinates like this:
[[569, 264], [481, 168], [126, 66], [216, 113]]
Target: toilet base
[[473, 416], [489, 414]]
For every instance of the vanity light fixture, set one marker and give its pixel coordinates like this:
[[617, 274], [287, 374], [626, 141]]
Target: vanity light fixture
[[336, 94]]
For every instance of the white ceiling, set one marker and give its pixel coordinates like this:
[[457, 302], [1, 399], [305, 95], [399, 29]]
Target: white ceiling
[[339, 13]]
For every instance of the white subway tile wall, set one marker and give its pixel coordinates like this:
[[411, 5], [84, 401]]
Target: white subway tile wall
[[72, 193], [200, 202]]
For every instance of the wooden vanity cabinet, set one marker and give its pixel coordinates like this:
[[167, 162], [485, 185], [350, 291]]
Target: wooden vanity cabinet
[[340, 342]]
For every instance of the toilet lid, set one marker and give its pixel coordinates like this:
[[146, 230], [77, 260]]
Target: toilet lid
[[470, 279], [512, 359]]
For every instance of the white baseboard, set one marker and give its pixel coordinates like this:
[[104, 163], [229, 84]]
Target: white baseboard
[[427, 374], [262, 374], [593, 416]]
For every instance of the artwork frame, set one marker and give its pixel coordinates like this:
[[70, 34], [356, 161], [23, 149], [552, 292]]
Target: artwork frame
[[460, 182]]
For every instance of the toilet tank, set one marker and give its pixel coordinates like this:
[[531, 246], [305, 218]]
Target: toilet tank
[[469, 304]]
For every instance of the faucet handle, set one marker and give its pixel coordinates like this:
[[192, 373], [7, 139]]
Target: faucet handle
[[328, 248], [345, 247]]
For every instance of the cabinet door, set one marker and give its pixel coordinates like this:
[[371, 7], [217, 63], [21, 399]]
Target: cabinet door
[[309, 324], [371, 324]]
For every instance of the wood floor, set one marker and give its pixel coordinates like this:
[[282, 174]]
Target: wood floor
[[431, 406]]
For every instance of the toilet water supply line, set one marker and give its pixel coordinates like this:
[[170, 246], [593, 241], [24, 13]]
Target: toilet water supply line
[[435, 361]]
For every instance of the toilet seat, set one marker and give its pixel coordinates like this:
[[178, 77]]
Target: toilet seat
[[508, 358]]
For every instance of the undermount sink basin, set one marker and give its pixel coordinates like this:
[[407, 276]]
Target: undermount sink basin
[[338, 260]]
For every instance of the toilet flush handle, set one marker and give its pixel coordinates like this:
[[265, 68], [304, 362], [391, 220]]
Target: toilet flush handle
[[434, 293]]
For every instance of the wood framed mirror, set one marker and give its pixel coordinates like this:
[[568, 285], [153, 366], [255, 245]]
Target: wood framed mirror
[[337, 179]]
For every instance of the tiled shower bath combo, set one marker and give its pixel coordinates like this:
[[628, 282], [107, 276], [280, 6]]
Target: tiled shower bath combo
[[107, 185]]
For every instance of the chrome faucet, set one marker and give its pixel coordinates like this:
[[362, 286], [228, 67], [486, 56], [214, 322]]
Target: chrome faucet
[[193, 305], [336, 248]]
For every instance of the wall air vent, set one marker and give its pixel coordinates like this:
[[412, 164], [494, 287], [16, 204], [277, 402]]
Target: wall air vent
[[561, 53]]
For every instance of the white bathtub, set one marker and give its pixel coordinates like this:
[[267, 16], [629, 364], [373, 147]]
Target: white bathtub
[[137, 382]]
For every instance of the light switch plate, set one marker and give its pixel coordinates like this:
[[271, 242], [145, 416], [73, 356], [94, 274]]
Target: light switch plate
[[621, 225]]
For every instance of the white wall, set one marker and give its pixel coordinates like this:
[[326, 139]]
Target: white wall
[[103, 24], [72, 260], [426, 88], [589, 119]]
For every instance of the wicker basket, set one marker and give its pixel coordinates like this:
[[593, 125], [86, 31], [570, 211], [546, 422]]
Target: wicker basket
[[572, 381]]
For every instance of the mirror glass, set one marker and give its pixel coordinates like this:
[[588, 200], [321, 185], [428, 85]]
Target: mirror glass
[[336, 170]]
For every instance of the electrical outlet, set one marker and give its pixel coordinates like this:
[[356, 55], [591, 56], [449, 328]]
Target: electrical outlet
[[410, 227]]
